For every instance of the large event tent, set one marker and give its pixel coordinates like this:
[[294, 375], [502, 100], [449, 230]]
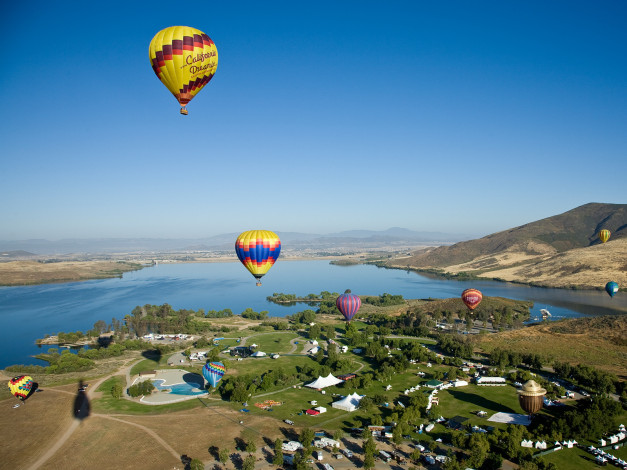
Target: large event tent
[[323, 382], [348, 403]]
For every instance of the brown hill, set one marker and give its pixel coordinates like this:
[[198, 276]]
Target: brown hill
[[559, 251], [599, 342]]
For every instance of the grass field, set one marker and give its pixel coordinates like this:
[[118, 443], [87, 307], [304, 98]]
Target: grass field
[[599, 342]]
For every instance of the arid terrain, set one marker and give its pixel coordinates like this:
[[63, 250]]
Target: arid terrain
[[535, 263], [19, 273]]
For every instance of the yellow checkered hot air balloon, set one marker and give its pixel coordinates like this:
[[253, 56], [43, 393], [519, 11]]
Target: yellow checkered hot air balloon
[[184, 59], [22, 386], [604, 235]]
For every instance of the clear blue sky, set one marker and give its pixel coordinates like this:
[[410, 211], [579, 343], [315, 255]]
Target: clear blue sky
[[463, 117]]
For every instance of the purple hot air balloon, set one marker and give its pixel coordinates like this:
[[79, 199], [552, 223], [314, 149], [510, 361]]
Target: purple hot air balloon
[[348, 304]]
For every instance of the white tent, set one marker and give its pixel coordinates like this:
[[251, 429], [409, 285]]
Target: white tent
[[460, 383], [258, 354], [323, 382], [348, 403]]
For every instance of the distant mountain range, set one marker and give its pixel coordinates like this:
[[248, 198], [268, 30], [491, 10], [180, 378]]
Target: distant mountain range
[[562, 251], [357, 239]]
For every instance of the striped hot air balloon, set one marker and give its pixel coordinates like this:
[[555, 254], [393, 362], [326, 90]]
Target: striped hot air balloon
[[213, 372], [258, 250], [184, 59], [348, 304], [604, 235], [22, 386], [472, 298]]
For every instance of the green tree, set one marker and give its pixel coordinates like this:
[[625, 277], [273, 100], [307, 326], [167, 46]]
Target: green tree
[[117, 390], [329, 331], [249, 462], [368, 461], [196, 464], [314, 331], [251, 448], [278, 453], [306, 437], [223, 455]]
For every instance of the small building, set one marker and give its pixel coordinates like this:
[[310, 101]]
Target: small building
[[541, 445], [457, 422], [148, 374], [346, 376], [291, 446], [491, 381], [433, 383], [526, 443]]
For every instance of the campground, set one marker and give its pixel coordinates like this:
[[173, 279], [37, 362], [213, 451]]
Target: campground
[[129, 434]]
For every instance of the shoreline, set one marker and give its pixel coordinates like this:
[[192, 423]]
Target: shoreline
[[343, 261]]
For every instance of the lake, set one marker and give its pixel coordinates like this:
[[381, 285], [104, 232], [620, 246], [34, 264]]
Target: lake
[[30, 312]]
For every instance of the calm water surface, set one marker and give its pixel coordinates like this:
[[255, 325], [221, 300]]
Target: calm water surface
[[28, 313]]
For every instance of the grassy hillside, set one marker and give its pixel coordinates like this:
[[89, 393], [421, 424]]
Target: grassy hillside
[[576, 228], [600, 342], [559, 251]]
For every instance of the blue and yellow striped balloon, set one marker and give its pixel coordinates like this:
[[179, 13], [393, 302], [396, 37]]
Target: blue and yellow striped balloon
[[258, 250], [213, 372]]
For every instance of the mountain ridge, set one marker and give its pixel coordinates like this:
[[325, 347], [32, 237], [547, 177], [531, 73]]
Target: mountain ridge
[[557, 251]]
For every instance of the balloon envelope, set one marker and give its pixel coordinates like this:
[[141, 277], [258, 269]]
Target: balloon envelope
[[611, 288], [531, 397], [21, 386], [184, 59], [604, 235], [213, 372], [472, 298], [258, 250], [348, 304]]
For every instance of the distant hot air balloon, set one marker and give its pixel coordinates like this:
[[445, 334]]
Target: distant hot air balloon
[[213, 372], [611, 288], [184, 59], [258, 250], [348, 304], [22, 386], [604, 235], [472, 298], [531, 397]]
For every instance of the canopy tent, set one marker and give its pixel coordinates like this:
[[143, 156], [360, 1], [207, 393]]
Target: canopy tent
[[348, 403], [323, 382]]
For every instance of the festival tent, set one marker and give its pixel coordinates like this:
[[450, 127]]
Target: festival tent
[[348, 403], [323, 382], [258, 354]]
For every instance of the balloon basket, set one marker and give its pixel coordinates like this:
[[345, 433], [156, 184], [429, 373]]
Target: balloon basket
[[184, 111], [258, 283]]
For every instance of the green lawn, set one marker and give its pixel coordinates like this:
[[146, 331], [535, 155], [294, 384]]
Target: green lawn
[[270, 343], [108, 404]]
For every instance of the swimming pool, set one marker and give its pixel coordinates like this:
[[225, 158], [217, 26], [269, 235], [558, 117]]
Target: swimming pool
[[185, 388]]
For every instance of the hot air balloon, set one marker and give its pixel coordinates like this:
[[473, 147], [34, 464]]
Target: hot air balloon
[[611, 288], [213, 372], [184, 59], [22, 386], [531, 397], [604, 235], [348, 304], [258, 250], [472, 298]]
